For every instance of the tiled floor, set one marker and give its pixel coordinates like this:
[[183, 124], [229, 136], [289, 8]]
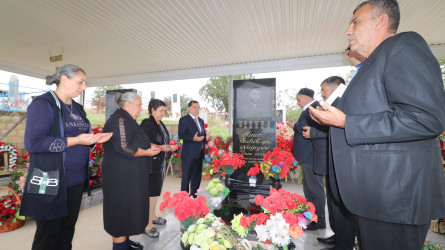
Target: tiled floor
[[91, 235]]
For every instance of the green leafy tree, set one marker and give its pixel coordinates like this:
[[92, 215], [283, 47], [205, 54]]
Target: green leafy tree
[[184, 102], [98, 100], [216, 91]]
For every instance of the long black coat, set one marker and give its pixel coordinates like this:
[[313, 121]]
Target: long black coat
[[319, 137], [303, 149], [125, 177], [387, 160]]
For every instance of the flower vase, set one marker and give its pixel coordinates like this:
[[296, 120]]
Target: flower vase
[[290, 246], [182, 244], [252, 182], [216, 201], [228, 182], [276, 183]]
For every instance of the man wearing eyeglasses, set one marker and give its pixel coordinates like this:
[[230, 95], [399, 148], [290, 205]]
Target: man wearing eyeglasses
[[355, 59], [384, 133]]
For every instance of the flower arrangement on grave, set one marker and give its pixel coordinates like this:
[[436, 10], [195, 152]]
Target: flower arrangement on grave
[[283, 131], [217, 189], [176, 156], [210, 152], [254, 171], [12, 154], [96, 156], [217, 193], [227, 163], [186, 209], [277, 163], [242, 224], [9, 209], [287, 211], [209, 233], [222, 144], [284, 144]]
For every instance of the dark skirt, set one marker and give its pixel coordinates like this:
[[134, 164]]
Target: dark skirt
[[156, 178]]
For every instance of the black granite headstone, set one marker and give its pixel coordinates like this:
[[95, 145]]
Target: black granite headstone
[[254, 123]]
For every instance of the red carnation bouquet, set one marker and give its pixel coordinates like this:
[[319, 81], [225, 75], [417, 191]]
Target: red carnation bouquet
[[186, 209], [277, 163], [281, 211], [9, 208], [228, 163], [254, 171], [222, 144]]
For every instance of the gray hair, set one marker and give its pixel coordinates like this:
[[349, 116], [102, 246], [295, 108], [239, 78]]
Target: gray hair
[[67, 70], [389, 7], [121, 99]]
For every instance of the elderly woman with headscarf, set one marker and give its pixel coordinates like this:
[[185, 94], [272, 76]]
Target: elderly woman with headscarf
[[125, 173]]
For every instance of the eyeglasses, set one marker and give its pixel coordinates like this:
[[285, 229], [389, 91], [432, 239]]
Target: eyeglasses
[[347, 51]]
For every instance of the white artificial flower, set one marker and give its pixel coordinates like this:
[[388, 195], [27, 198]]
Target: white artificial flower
[[262, 233], [275, 236], [283, 238]]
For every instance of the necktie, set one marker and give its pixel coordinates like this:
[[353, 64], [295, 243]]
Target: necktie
[[196, 121]]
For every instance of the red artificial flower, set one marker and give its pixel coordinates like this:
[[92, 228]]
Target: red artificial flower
[[254, 171], [185, 206], [244, 221], [259, 199]]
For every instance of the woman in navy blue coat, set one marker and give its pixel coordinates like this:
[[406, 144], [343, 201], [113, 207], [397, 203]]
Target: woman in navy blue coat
[[57, 137]]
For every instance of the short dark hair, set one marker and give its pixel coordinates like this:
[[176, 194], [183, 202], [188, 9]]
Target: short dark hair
[[333, 81], [155, 104], [389, 7], [191, 103]]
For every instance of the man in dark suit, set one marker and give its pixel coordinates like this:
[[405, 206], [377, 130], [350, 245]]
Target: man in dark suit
[[343, 236], [384, 133], [192, 132], [303, 152]]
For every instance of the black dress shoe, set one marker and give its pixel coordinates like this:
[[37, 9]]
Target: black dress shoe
[[135, 245], [315, 226], [328, 240]]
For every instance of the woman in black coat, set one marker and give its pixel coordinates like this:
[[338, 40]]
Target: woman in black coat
[[158, 134], [125, 170]]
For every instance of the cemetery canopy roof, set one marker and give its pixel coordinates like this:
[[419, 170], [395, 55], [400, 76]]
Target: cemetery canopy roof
[[134, 41]]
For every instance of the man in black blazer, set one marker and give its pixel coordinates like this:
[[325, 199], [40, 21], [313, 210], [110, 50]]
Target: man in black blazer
[[192, 132], [384, 133], [303, 152], [342, 227]]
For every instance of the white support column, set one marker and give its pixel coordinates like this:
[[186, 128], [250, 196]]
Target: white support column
[[230, 111]]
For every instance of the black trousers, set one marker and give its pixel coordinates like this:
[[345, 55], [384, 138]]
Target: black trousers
[[191, 175], [389, 236], [313, 189], [340, 220], [57, 234]]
